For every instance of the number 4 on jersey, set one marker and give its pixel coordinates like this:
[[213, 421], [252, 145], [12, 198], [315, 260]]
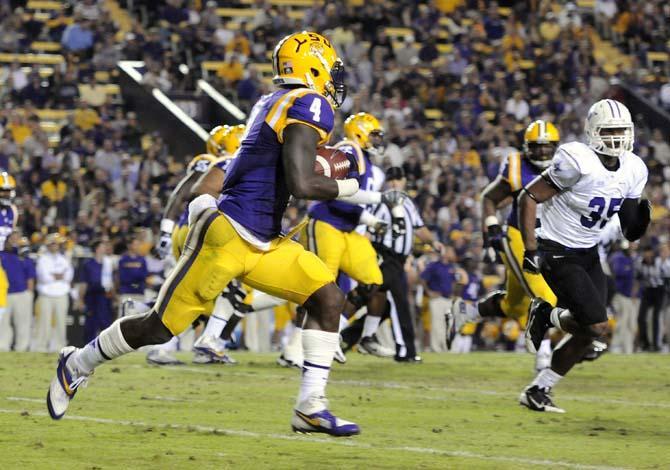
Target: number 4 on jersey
[[315, 109], [599, 203]]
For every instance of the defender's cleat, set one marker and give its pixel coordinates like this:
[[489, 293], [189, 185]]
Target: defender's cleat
[[538, 323], [371, 345], [596, 349], [339, 357], [455, 318], [161, 357], [409, 360], [210, 346], [64, 386], [312, 415], [199, 358], [284, 361], [538, 399]]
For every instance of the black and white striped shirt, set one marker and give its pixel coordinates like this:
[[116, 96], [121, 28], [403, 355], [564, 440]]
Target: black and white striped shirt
[[653, 275], [402, 244]]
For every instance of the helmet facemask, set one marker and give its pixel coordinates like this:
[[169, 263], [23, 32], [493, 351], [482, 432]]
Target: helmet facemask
[[540, 154], [376, 144], [7, 196], [612, 140]]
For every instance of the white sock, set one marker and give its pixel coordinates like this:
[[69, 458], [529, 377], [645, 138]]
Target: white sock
[[295, 339], [215, 326], [170, 346], [319, 348], [545, 348], [108, 345], [555, 317], [547, 378], [370, 326], [344, 322]]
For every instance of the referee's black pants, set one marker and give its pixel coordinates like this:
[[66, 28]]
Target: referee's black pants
[[652, 297], [395, 282]]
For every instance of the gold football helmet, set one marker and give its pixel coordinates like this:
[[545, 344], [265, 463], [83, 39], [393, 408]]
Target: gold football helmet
[[540, 142], [225, 139], [310, 60], [201, 163], [7, 188], [366, 131]]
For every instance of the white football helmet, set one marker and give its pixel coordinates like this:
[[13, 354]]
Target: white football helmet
[[609, 114]]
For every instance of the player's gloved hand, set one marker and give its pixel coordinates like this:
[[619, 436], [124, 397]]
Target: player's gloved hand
[[489, 255], [165, 241], [531, 261], [236, 295], [164, 245], [353, 166], [494, 237], [374, 223], [394, 197]]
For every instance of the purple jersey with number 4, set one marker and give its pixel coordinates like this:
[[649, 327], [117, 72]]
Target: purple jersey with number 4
[[255, 193]]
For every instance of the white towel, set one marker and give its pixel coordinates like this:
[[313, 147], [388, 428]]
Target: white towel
[[107, 273]]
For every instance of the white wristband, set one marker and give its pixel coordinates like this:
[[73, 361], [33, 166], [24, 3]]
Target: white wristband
[[491, 220], [362, 197], [346, 187], [369, 219], [167, 225]]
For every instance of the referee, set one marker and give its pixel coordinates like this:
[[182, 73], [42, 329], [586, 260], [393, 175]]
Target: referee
[[393, 247]]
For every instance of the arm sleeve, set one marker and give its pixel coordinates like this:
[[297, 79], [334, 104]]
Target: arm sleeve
[[363, 197], [417, 220], [564, 171], [312, 110]]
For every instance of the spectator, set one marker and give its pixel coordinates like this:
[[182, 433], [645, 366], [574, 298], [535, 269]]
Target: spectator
[[16, 323], [517, 107], [54, 189], [440, 279], [660, 148], [93, 93], [77, 37], [624, 302], [132, 273], [651, 276], [54, 276], [96, 290]]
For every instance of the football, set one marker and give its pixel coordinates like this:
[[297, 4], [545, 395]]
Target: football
[[331, 162]]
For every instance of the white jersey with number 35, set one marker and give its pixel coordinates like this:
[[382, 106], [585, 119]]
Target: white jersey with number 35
[[590, 194]]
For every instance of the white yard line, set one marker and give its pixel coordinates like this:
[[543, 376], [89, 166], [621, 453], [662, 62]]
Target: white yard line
[[414, 388], [330, 441]]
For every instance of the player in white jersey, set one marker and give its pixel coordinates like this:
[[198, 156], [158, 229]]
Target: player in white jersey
[[585, 186]]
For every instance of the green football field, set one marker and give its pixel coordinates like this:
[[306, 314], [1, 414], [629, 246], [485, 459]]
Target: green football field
[[449, 412]]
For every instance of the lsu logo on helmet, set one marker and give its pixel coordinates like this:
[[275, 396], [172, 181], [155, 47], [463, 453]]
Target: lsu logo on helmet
[[310, 60]]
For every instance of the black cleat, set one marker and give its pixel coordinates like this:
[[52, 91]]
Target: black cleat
[[538, 399], [538, 323]]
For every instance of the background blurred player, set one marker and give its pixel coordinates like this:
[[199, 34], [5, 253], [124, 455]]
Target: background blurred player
[[585, 186], [238, 236], [540, 141]]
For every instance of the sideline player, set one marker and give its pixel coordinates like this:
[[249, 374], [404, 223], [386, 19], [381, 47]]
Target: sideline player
[[239, 236], [585, 186], [8, 220], [540, 141]]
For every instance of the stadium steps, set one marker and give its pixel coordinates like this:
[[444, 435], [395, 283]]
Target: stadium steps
[[120, 17], [610, 57]]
